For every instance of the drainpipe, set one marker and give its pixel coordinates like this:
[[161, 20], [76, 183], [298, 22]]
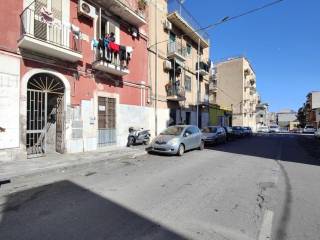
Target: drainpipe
[[198, 82], [156, 71]]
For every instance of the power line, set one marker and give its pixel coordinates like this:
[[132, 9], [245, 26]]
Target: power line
[[227, 19]]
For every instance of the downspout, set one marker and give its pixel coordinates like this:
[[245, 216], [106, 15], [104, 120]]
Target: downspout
[[156, 71]]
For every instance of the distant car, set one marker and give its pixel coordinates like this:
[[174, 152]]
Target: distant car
[[247, 131], [274, 129], [263, 129], [309, 129], [214, 134], [317, 133], [175, 140], [238, 131], [229, 133]]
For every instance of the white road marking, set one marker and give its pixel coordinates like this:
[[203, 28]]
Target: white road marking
[[266, 228]]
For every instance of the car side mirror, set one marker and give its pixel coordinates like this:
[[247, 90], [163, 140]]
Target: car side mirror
[[186, 134]]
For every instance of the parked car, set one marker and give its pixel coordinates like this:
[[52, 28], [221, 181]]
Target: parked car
[[238, 131], [229, 132], [263, 129], [214, 134], [247, 131], [175, 140], [309, 129], [317, 133], [274, 129]]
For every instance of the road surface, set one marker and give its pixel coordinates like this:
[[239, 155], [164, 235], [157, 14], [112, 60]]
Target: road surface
[[223, 192]]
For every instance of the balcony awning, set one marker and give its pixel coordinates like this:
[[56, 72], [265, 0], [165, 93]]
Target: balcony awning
[[121, 9], [178, 21]]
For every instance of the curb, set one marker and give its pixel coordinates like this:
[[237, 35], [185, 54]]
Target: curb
[[75, 166]]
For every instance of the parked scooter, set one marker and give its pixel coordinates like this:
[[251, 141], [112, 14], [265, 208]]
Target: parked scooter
[[140, 136]]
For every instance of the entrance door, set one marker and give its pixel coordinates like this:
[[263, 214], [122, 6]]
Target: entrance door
[[45, 115], [106, 121]]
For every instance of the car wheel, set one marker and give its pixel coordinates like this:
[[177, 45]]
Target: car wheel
[[180, 150], [201, 147]]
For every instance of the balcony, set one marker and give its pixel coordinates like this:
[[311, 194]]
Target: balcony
[[187, 24], [176, 51], [175, 93], [204, 68], [127, 10], [110, 63], [213, 86], [49, 38]]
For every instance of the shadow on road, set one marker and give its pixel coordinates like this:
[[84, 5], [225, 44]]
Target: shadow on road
[[64, 210], [299, 149]]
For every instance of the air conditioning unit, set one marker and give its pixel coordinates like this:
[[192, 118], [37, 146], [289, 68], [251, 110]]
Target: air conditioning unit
[[86, 9], [167, 65], [167, 25]]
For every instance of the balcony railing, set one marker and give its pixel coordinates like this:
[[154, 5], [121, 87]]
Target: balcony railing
[[43, 27], [175, 93], [203, 68], [109, 62], [176, 50]]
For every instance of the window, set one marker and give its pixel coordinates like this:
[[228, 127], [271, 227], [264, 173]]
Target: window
[[187, 83], [189, 47], [108, 26], [206, 89]]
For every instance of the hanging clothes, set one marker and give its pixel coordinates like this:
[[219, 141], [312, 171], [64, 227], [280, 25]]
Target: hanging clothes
[[101, 49], [114, 47], [129, 52], [123, 53], [46, 15]]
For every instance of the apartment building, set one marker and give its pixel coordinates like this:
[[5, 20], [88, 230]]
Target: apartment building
[[71, 74], [262, 114], [176, 78], [285, 117], [234, 87], [312, 109]]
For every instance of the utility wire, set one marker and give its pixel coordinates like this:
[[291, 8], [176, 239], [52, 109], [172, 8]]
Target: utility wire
[[227, 19]]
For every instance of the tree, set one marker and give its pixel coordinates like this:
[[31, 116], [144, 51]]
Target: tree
[[301, 116]]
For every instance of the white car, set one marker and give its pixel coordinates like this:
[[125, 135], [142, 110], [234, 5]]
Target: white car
[[274, 129], [309, 129], [263, 129], [317, 133]]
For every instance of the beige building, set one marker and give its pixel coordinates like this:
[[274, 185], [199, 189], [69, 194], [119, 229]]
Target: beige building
[[235, 89], [173, 55]]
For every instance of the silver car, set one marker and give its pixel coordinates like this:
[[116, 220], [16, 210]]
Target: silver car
[[317, 133], [214, 134], [176, 140]]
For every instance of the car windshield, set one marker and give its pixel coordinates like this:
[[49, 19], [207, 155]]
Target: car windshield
[[210, 130], [273, 126], [236, 128], [174, 130], [309, 127]]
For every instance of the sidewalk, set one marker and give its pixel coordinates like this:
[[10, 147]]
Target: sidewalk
[[56, 162]]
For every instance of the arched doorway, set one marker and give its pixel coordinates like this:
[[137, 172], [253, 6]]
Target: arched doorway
[[45, 115]]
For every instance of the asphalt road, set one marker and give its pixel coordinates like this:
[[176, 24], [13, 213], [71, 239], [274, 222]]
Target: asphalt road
[[222, 192]]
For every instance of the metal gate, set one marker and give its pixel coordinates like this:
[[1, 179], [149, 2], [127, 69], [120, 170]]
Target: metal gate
[[36, 121], [40, 118], [106, 121]]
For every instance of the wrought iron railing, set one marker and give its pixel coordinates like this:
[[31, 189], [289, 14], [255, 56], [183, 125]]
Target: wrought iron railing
[[177, 48], [175, 6], [173, 90], [38, 23], [106, 136]]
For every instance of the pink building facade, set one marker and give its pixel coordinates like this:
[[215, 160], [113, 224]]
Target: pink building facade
[[74, 75]]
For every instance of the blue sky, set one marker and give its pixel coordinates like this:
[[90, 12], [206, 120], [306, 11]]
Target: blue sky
[[282, 42]]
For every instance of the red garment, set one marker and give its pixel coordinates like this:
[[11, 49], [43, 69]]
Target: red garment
[[114, 47]]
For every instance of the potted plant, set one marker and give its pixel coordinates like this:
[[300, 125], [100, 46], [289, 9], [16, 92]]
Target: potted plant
[[142, 5]]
